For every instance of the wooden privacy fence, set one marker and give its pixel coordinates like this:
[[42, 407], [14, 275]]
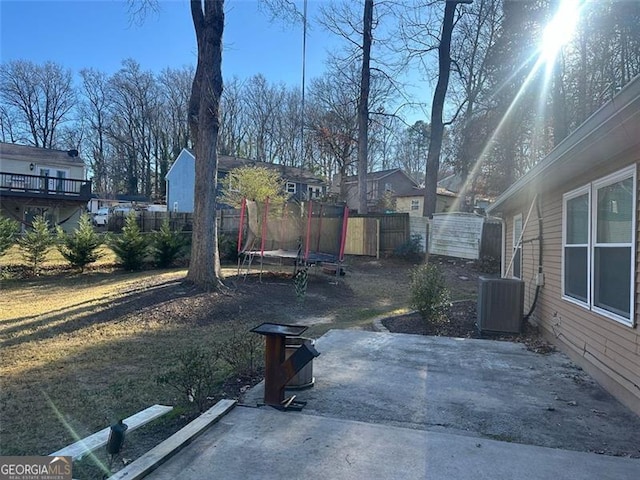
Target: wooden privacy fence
[[369, 235], [363, 237], [393, 231], [228, 221]]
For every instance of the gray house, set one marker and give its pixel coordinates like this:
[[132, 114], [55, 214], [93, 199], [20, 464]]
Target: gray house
[[393, 182], [300, 184], [42, 181]]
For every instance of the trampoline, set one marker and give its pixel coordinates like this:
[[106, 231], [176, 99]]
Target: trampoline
[[307, 233]]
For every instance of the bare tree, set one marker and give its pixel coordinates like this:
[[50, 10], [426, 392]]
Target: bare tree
[[40, 97], [134, 106], [263, 103], [94, 108], [204, 122], [437, 107], [363, 106], [233, 122], [7, 122], [170, 126]]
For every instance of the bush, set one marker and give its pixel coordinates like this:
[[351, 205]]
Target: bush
[[8, 232], [243, 351], [36, 242], [193, 376], [81, 247], [166, 245], [228, 247], [429, 294], [411, 249], [130, 247]]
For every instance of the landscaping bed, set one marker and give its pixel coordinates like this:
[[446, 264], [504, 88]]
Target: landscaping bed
[[82, 350]]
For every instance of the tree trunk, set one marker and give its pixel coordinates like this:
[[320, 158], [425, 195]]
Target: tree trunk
[[437, 127], [363, 107], [208, 18]]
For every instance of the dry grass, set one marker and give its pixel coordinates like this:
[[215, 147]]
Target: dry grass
[[80, 351]]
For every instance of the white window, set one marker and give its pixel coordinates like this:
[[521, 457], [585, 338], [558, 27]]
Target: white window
[[576, 228], [388, 187], [415, 204], [516, 263], [314, 192], [598, 237], [291, 187]]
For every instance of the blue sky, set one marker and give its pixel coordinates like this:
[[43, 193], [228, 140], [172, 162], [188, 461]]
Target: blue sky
[[99, 34]]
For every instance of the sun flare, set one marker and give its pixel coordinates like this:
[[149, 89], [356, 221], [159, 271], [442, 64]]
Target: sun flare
[[560, 29]]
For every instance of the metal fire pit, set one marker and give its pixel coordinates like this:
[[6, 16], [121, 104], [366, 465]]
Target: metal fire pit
[[279, 369]]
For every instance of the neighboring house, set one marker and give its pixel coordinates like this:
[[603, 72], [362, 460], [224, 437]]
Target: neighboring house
[[412, 202], [576, 215], [473, 202], [389, 183], [42, 181], [299, 184]]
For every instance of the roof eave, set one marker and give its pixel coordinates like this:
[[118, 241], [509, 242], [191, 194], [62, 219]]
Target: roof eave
[[622, 109]]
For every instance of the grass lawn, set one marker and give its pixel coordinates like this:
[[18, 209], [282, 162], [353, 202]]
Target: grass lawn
[[80, 351]]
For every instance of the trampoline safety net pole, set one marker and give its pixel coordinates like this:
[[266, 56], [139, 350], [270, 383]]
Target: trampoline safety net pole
[[265, 217], [343, 240], [319, 228], [308, 236], [243, 207]]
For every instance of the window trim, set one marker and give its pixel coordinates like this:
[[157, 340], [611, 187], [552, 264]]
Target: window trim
[[592, 188], [416, 204], [578, 192], [596, 185], [293, 190]]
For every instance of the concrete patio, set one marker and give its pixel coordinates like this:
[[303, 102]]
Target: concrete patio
[[406, 406]]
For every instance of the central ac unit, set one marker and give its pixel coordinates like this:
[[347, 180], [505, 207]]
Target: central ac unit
[[500, 305]]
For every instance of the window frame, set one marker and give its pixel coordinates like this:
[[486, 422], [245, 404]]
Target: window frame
[[292, 190], [578, 192], [415, 205], [592, 189]]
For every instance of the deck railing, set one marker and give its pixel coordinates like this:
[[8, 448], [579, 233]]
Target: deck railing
[[38, 186]]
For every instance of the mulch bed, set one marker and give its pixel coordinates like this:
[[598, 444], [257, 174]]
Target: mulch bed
[[462, 324]]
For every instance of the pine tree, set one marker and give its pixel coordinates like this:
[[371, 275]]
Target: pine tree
[[130, 247], [81, 247], [166, 245], [8, 231], [37, 242]]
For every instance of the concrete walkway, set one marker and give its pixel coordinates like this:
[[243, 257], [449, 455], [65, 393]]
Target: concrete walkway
[[263, 443], [406, 406]]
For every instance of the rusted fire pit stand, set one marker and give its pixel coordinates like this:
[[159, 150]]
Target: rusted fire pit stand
[[279, 371]]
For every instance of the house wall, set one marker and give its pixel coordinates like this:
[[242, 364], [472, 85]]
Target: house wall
[[65, 216], [76, 171], [403, 204], [399, 182], [607, 349], [180, 183]]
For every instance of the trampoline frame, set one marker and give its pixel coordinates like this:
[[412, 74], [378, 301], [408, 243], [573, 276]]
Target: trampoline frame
[[303, 257]]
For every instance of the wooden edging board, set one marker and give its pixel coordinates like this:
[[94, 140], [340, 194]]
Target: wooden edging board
[[165, 450], [99, 439]]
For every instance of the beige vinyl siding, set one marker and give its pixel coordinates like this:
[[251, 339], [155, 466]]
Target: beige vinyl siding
[[608, 349]]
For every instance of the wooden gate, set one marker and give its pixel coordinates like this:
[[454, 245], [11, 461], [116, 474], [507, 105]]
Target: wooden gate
[[363, 237]]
